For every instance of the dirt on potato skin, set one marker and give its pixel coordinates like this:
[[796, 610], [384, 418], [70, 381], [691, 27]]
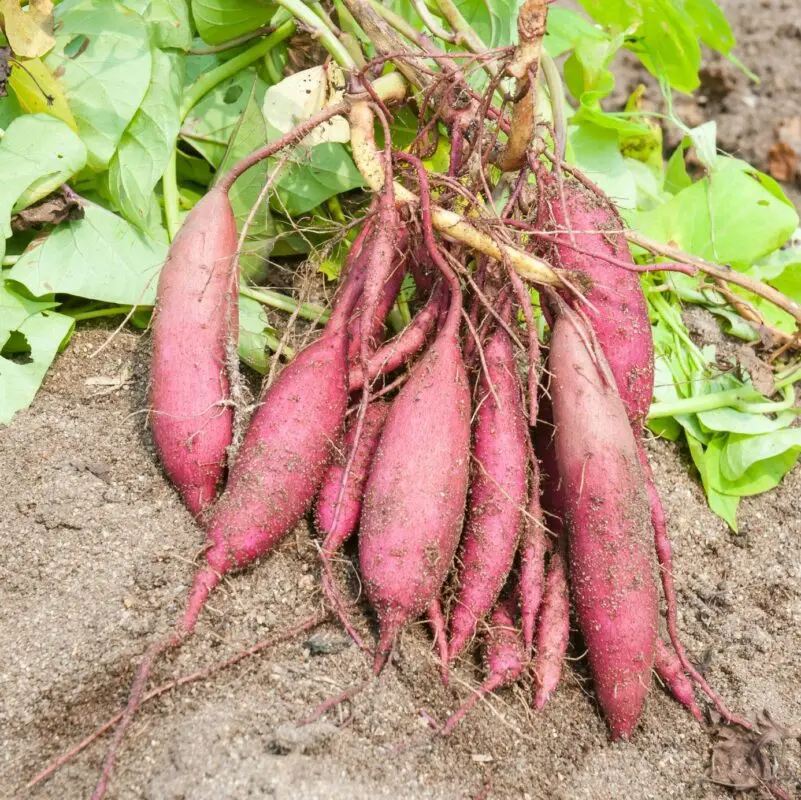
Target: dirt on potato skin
[[98, 558], [98, 555]]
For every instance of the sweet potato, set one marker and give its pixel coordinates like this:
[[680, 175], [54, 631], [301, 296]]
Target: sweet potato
[[389, 294], [553, 622], [281, 464], [497, 492], [533, 547], [505, 657], [404, 346], [194, 323], [338, 507], [669, 669], [618, 312], [553, 628], [415, 495], [608, 524]]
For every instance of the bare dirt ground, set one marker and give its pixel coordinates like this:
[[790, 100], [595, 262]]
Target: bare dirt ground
[[97, 556]]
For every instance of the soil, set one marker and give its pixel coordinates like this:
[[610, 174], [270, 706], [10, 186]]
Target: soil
[[98, 554], [758, 122]]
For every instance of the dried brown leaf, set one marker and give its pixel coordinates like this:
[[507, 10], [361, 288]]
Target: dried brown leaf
[[30, 33], [52, 210]]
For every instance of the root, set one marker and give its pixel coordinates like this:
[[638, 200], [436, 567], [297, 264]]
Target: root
[[332, 702], [665, 557], [311, 622]]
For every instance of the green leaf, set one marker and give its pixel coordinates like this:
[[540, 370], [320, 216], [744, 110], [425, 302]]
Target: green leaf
[[220, 20], [250, 133], [319, 167], [216, 116], [37, 154], [168, 21], [101, 257], [596, 151], [102, 58], [733, 421], [725, 506], [296, 98], [37, 335], [734, 216], [495, 21], [314, 176], [565, 28], [704, 140], [254, 333], [676, 177], [146, 145], [759, 478], [744, 451], [659, 31], [711, 25], [669, 45], [10, 109]]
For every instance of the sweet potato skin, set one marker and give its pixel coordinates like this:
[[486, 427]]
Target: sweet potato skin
[[337, 528], [607, 519], [196, 315], [497, 492], [619, 313], [284, 455], [415, 496]]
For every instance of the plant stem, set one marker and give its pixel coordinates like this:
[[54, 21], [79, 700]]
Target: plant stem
[[273, 72], [9, 261], [199, 137], [396, 21], [214, 77], [462, 28], [196, 92], [769, 408], [432, 23], [231, 43], [113, 311], [273, 343], [724, 273], [553, 80], [744, 399], [172, 200], [789, 379], [335, 209], [282, 302], [327, 38], [704, 402]]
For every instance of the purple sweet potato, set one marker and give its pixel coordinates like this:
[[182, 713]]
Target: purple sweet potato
[[415, 495], [281, 464], [497, 492], [194, 322], [284, 456], [553, 628], [404, 346], [533, 547], [389, 294], [608, 524], [619, 315], [505, 656], [338, 508], [553, 622], [669, 669]]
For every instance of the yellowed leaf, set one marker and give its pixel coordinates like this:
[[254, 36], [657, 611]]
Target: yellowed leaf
[[29, 33], [37, 90]]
